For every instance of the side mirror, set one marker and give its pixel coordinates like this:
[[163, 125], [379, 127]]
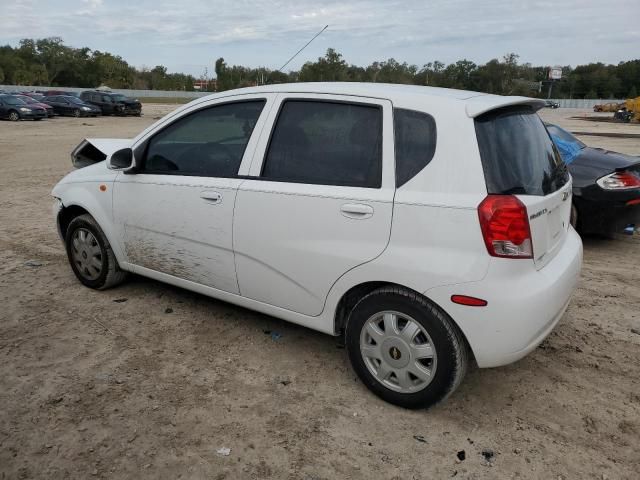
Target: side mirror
[[122, 160]]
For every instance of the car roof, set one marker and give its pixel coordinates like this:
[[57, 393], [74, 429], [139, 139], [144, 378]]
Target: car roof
[[476, 102]]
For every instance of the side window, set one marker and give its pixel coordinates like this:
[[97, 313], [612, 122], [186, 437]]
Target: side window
[[209, 142], [415, 143], [105, 99], [326, 143]]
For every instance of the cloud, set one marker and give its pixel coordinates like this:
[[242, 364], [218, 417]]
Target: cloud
[[266, 31]]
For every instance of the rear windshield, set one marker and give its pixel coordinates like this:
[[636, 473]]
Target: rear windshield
[[518, 156]]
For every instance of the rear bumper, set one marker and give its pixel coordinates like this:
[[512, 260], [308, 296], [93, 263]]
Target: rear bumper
[[524, 304], [608, 216]]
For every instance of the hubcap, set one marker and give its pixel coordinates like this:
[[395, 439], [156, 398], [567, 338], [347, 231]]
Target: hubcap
[[398, 352], [86, 254]]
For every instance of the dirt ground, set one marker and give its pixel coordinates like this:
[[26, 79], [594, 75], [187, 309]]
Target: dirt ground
[[150, 381]]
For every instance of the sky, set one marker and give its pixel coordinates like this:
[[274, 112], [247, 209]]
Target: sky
[[188, 35]]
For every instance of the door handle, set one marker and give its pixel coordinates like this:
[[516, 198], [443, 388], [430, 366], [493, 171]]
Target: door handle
[[356, 210], [211, 197]]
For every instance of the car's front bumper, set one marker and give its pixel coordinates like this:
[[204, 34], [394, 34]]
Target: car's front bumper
[[523, 304], [56, 208], [33, 114]]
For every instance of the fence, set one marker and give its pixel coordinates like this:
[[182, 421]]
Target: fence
[[129, 93], [564, 102]]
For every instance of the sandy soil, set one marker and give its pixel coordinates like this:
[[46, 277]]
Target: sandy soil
[[150, 381]]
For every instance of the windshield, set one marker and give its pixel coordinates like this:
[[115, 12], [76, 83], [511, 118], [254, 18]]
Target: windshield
[[119, 98], [75, 100], [13, 101], [518, 156], [568, 145]]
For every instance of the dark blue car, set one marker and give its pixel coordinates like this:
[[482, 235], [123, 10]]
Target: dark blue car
[[14, 109]]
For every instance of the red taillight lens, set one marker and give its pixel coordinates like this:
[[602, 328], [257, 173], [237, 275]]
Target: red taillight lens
[[619, 181], [505, 227]]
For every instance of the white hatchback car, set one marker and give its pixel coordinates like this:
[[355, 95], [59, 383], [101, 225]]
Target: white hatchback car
[[424, 224]]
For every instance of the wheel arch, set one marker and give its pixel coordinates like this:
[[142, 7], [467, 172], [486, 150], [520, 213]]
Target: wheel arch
[[351, 297], [66, 215], [100, 213]]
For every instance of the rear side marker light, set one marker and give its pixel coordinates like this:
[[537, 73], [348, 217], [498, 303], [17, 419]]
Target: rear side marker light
[[633, 202], [505, 227], [468, 301]]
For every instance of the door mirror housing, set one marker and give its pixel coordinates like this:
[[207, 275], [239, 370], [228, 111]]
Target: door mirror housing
[[122, 160]]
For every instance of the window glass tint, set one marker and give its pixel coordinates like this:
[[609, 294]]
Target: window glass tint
[[210, 142], [518, 157], [326, 143], [415, 142]]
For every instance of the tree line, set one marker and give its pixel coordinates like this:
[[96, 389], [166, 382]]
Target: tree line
[[49, 62]]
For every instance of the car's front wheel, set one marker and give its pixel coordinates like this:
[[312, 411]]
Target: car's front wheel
[[76, 112], [14, 116], [404, 348], [90, 254]]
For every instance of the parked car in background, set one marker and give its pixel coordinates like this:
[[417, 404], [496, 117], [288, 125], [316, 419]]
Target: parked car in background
[[484, 262], [35, 95], [71, 106], [14, 109], [112, 103], [49, 93], [33, 102], [606, 186], [551, 104]]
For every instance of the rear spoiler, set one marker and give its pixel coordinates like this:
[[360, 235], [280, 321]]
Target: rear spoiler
[[476, 106], [94, 150]]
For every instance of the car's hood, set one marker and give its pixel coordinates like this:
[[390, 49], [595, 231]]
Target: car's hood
[[92, 150]]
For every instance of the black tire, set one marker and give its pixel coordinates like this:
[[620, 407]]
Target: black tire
[[14, 116], [37, 119], [110, 273], [448, 342], [76, 112]]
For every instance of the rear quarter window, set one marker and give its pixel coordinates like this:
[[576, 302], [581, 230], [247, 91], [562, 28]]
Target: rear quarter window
[[518, 156], [415, 142]]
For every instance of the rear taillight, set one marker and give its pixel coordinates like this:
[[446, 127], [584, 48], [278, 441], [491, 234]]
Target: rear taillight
[[505, 227], [619, 181]]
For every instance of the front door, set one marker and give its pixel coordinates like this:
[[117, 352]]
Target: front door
[[176, 214], [319, 199]]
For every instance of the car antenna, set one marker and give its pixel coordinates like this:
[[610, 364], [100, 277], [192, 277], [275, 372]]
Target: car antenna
[[305, 46]]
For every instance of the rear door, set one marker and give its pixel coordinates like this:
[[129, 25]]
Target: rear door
[[519, 158], [318, 201]]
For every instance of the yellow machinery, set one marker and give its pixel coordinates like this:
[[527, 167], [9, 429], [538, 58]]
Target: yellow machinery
[[608, 107], [633, 107], [629, 111]]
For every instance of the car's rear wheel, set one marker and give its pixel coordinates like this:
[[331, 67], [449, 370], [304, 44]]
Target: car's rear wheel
[[90, 254], [14, 116], [404, 348]]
